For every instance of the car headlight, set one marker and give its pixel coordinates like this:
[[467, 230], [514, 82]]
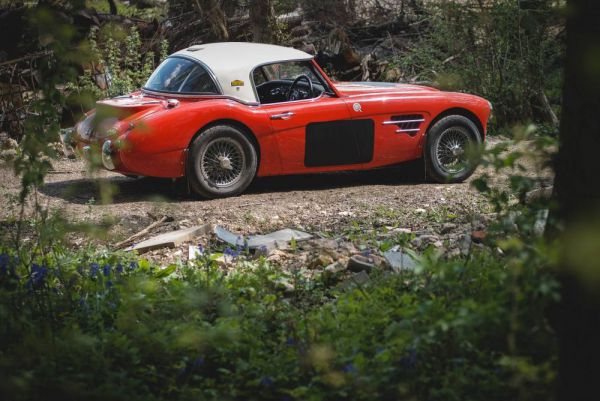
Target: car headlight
[[107, 160]]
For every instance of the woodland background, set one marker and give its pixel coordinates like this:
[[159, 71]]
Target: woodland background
[[514, 317]]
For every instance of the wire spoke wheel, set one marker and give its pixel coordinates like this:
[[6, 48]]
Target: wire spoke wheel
[[222, 162], [451, 150]]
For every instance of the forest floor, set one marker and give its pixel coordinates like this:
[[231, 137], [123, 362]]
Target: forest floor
[[358, 209]]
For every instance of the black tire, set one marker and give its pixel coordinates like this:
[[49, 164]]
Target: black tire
[[220, 178], [453, 129]]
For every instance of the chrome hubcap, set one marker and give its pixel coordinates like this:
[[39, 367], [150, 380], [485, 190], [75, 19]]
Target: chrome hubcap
[[451, 149], [222, 162]]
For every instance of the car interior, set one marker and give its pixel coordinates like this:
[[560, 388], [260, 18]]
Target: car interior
[[290, 81]]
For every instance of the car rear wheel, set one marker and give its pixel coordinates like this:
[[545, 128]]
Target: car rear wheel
[[222, 162], [452, 149]]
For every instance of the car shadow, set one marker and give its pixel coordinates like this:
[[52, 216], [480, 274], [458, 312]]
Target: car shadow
[[123, 189]]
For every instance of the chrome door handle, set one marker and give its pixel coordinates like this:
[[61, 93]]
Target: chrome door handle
[[283, 116]]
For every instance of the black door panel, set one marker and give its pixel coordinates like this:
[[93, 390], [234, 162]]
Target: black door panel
[[341, 142]]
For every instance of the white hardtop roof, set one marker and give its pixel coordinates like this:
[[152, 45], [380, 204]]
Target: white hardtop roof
[[232, 63]]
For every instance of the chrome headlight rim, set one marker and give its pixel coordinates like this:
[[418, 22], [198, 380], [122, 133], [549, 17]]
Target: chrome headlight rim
[[107, 153]]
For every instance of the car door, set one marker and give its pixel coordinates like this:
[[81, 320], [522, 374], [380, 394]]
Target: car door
[[309, 133]]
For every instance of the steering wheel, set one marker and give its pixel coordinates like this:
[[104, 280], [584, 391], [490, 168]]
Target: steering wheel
[[295, 83]]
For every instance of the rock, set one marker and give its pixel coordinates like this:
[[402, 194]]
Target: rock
[[336, 267], [447, 227], [8, 143], [478, 236], [465, 244], [400, 261], [420, 211], [170, 239], [321, 260], [539, 194], [8, 154], [358, 263], [453, 253], [540, 222], [257, 241], [346, 214], [357, 279], [424, 240]]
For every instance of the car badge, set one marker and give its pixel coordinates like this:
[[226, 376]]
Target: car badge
[[357, 107], [237, 82]]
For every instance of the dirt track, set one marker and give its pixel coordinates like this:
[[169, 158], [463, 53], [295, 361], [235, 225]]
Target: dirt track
[[328, 203]]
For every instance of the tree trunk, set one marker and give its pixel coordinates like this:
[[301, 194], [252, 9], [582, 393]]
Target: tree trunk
[[216, 18], [577, 187], [262, 18], [113, 7]]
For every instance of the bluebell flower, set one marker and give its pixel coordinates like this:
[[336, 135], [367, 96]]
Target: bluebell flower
[[409, 361], [94, 267], [109, 284], [198, 362], [38, 275], [349, 368], [200, 249], [119, 268], [266, 381], [290, 341], [133, 266], [4, 260], [231, 253], [106, 270], [83, 303]]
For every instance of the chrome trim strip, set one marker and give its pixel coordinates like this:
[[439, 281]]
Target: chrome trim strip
[[189, 96], [409, 130], [283, 116], [403, 121]]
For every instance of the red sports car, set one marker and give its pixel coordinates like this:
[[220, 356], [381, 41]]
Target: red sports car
[[220, 114]]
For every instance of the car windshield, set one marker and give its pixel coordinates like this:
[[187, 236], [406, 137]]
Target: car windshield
[[180, 75]]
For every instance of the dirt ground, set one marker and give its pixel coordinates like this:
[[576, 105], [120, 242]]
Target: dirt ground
[[343, 205]]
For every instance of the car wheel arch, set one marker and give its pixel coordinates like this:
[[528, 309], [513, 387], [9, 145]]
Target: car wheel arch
[[460, 112], [237, 124]]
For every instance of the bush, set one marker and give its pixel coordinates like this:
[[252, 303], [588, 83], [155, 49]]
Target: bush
[[509, 52], [87, 326]]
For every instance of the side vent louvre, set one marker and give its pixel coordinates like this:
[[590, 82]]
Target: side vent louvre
[[408, 123]]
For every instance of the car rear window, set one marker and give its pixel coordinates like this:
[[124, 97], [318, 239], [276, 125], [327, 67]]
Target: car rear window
[[180, 75]]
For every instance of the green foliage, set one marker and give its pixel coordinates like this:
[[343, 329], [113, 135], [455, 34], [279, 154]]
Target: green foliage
[[119, 66], [90, 326], [509, 52]]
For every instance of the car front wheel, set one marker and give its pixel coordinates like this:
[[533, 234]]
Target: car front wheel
[[452, 149], [222, 162]]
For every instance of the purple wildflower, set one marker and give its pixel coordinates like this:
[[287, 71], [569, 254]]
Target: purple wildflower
[[106, 270], [266, 381], [94, 267]]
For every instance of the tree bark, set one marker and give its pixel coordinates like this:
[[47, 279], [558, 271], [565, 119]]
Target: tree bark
[[113, 7], [577, 188], [262, 18], [216, 18]]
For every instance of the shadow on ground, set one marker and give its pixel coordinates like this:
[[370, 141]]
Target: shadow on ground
[[126, 190]]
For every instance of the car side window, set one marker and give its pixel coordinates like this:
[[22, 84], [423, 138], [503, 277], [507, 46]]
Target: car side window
[[273, 82], [180, 75]]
